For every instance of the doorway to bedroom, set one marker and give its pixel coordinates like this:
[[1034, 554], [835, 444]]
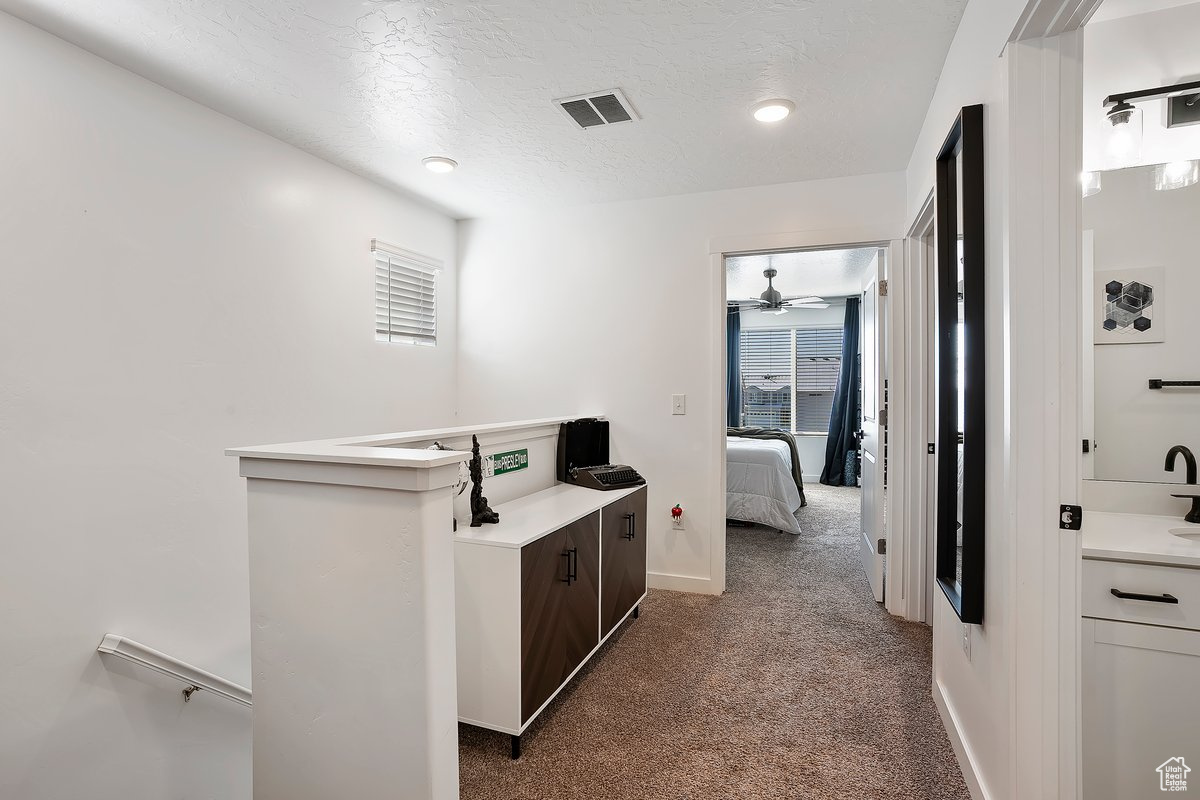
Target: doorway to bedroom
[[806, 416]]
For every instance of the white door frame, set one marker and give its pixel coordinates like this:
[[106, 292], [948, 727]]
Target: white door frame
[[879, 236], [1043, 462], [913, 551]]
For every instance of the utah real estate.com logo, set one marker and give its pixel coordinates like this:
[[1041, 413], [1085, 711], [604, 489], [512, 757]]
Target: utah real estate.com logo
[[1172, 775]]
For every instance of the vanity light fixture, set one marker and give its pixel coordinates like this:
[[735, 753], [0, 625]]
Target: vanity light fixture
[[1124, 140], [1090, 181], [1176, 175], [1125, 130], [439, 164], [773, 110]]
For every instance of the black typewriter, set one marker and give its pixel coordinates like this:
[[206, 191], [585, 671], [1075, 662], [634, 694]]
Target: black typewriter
[[583, 457], [605, 476]]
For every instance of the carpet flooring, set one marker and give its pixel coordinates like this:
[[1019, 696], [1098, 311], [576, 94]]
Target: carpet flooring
[[794, 684]]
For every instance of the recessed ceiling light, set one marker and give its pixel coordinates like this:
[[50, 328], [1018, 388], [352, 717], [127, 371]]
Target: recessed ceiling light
[[439, 164], [773, 110]]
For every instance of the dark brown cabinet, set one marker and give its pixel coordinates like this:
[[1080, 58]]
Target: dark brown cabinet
[[560, 576], [622, 558]]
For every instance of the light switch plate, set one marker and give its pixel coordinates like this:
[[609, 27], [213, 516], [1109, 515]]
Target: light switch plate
[[679, 404]]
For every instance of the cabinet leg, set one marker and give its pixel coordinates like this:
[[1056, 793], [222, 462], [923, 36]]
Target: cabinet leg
[[637, 610], [516, 747]]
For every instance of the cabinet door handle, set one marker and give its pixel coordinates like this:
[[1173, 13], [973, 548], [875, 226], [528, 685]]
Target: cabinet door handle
[[572, 566], [1151, 598], [567, 555], [631, 521]]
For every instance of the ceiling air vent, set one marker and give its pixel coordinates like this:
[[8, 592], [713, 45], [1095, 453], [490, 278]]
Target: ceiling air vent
[[597, 109]]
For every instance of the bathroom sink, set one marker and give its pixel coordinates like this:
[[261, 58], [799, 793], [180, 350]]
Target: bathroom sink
[[1192, 534]]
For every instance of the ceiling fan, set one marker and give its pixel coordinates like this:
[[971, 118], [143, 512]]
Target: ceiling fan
[[772, 302]]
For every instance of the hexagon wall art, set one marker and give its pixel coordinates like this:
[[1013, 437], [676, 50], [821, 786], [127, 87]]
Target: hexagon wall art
[[1129, 306]]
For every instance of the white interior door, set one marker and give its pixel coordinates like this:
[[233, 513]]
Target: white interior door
[[872, 478]]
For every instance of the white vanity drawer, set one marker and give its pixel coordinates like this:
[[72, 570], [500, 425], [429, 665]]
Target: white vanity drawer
[[1100, 578]]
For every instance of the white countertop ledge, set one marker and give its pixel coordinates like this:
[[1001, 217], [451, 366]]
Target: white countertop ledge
[[531, 517], [1141, 538], [382, 450]]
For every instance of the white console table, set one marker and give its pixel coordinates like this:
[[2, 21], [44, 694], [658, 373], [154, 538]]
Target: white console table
[[539, 593]]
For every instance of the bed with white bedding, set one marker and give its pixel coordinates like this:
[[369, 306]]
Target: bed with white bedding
[[759, 486]]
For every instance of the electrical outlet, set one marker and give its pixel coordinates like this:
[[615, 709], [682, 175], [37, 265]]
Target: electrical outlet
[[677, 523], [679, 404], [966, 641]]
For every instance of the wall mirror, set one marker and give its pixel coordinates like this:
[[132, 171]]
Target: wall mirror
[[1141, 340], [960, 366]]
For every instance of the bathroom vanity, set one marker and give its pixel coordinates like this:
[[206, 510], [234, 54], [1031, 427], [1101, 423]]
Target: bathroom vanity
[[1140, 651], [1140, 575]]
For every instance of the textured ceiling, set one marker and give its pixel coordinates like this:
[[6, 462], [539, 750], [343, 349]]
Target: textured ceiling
[[823, 273], [375, 86]]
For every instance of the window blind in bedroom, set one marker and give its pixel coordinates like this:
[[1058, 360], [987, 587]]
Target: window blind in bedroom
[[818, 362], [767, 373], [789, 376]]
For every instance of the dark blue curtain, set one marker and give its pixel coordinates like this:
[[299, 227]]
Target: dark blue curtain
[[843, 422], [733, 367]]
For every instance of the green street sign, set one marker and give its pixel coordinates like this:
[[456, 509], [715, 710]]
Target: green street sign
[[501, 463]]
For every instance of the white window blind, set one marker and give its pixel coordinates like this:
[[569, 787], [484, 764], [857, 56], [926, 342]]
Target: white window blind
[[789, 376], [818, 362], [405, 295], [767, 378]]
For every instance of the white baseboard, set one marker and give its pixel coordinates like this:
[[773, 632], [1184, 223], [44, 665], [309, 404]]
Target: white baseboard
[[962, 751], [679, 583], [812, 478]]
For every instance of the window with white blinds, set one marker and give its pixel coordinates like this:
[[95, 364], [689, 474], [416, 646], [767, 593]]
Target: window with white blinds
[[789, 376], [818, 362], [405, 296], [767, 378]]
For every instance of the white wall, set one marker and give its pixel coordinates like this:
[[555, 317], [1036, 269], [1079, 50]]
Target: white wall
[[974, 690], [173, 283], [1136, 226], [1140, 52], [615, 307]]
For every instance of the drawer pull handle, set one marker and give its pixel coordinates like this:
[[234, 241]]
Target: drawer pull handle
[[572, 557], [1152, 598]]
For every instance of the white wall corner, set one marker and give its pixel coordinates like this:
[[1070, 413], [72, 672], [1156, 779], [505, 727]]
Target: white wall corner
[[962, 750]]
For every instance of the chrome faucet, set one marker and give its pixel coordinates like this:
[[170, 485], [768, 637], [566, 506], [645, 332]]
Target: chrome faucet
[[1190, 461]]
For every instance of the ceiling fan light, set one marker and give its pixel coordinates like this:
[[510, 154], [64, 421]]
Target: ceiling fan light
[[780, 310]]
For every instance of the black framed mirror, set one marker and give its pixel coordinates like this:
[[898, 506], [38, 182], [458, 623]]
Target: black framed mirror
[[960, 366]]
